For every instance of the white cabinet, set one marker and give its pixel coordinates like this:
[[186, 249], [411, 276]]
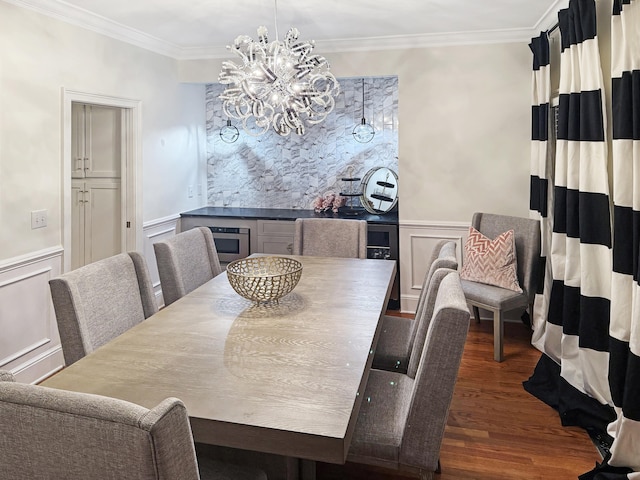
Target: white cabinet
[[96, 224], [96, 220], [96, 148], [275, 236]]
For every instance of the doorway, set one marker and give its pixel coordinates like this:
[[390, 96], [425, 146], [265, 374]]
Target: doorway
[[101, 185]]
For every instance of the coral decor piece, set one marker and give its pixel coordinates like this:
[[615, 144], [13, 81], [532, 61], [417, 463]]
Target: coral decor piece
[[329, 201]]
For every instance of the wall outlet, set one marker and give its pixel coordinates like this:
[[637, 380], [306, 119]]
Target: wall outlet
[[38, 219], [190, 191]]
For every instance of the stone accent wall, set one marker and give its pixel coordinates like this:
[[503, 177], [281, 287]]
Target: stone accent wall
[[271, 171]]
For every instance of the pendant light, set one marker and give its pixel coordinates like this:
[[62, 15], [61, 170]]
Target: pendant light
[[363, 132], [229, 133]]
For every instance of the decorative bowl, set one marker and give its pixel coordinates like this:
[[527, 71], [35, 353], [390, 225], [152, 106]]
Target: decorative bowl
[[263, 279]]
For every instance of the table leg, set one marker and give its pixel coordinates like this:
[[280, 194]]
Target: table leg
[[293, 468], [307, 470]]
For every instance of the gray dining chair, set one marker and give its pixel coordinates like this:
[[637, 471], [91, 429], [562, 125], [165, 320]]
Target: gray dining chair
[[402, 418], [186, 261], [497, 299], [398, 334], [57, 434], [330, 237], [99, 301]]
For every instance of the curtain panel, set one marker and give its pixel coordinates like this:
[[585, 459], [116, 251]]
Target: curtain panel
[[542, 164], [572, 373], [581, 244], [624, 367]]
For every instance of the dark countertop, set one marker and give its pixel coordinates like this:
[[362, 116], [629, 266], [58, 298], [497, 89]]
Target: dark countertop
[[390, 218]]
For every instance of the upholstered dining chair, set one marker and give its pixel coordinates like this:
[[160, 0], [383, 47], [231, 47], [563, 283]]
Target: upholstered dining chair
[[330, 237], [50, 433], [398, 333], [402, 417], [186, 261], [99, 301], [497, 299]]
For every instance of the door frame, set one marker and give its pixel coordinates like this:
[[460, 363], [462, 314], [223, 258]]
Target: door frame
[[131, 171]]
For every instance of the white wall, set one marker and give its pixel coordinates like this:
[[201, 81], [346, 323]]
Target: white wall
[[464, 138], [39, 56]]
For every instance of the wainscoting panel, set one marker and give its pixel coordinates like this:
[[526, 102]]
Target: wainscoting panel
[[153, 232], [417, 240], [29, 343]]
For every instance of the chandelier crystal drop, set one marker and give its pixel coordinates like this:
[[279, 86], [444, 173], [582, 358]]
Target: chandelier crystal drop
[[279, 85]]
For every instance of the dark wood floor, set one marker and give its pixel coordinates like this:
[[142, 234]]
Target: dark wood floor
[[496, 430]]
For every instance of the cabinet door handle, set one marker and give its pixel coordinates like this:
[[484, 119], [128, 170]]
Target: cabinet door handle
[[290, 248], [86, 161]]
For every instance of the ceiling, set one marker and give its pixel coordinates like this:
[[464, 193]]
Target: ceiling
[[202, 28]]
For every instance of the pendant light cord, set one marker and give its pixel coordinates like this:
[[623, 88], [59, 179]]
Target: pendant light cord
[[363, 98], [275, 8]]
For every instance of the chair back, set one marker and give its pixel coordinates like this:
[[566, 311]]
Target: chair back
[[50, 433], [443, 256], [330, 237], [436, 376], [186, 261], [423, 318], [98, 302], [527, 236]]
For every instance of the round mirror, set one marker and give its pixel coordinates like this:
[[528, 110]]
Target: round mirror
[[379, 190]]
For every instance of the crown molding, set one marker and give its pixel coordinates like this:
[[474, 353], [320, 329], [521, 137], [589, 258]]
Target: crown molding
[[550, 17], [399, 42], [65, 12]]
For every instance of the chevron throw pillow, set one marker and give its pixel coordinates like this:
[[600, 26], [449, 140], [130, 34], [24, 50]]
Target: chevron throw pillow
[[491, 261]]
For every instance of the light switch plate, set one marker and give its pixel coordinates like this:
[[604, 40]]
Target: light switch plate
[[38, 219]]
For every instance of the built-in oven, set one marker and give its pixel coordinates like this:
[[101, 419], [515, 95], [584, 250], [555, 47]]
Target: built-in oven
[[382, 243], [232, 243]]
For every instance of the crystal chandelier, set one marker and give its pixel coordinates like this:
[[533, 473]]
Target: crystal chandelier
[[279, 84]]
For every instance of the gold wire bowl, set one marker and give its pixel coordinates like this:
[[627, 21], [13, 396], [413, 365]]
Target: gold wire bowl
[[263, 279]]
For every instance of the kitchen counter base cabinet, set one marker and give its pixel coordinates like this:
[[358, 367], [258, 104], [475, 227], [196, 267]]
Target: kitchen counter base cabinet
[[275, 237]]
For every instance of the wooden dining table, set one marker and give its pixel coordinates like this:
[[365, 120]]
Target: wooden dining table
[[284, 377]]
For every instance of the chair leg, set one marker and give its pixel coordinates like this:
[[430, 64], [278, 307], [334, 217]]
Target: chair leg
[[476, 314], [498, 330]]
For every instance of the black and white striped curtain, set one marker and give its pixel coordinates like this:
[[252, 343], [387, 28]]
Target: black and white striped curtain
[[589, 330], [542, 164], [624, 367], [572, 372], [579, 305]]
